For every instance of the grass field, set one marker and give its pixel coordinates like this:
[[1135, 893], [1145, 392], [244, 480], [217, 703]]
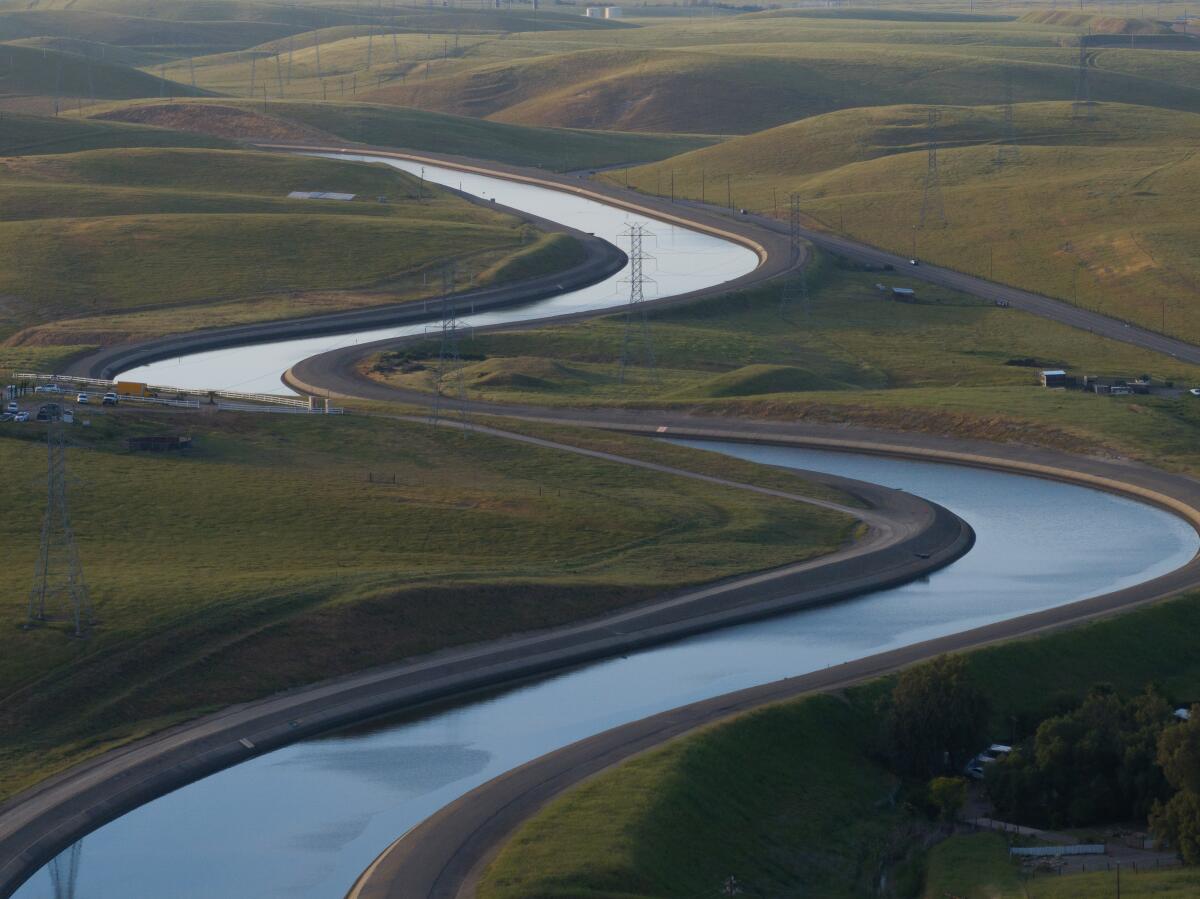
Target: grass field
[[789, 801], [34, 134], [104, 246], [292, 550], [945, 364], [558, 149], [1088, 213], [977, 867]]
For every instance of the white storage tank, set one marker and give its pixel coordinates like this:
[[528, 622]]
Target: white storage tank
[[594, 12], [612, 12]]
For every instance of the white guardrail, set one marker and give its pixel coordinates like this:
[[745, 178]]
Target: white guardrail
[[176, 396]]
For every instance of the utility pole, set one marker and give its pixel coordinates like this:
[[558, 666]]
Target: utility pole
[[637, 234], [59, 592]]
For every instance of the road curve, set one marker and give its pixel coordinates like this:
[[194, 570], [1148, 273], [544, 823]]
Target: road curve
[[907, 537]]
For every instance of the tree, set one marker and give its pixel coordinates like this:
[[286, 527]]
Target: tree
[[1095, 763], [1177, 822], [936, 718], [948, 795]]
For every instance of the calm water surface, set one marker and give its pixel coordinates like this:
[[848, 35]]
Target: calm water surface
[[304, 821], [684, 260]]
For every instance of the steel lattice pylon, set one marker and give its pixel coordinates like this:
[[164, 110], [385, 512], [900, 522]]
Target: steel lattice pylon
[[932, 205], [636, 235], [59, 592], [449, 375], [795, 285]]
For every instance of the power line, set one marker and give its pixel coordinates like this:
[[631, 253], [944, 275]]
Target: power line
[[637, 324], [59, 592]]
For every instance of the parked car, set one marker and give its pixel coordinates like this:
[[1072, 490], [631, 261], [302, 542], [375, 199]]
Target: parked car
[[21, 416], [48, 388], [110, 399], [82, 399], [13, 408], [976, 767], [6, 416]]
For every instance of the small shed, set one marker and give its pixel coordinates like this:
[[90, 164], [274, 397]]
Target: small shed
[[1054, 377], [319, 195]]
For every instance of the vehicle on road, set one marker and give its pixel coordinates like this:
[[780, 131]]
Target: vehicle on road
[[914, 262], [13, 408], [110, 399], [976, 767], [48, 388], [21, 416], [1195, 391], [82, 399]]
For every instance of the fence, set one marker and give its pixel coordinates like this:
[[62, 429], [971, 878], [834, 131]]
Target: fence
[[1057, 851]]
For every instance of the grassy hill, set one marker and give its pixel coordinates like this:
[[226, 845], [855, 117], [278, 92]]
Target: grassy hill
[[104, 246], [38, 78], [947, 364], [1090, 213], [29, 134], [325, 570], [553, 148], [743, 88], [816, 813]]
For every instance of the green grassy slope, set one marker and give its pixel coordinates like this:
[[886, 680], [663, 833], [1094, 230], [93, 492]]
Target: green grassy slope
[[288, 553], [947, 364], [28, 71], [789, 801], [107, 245], [557, 149], [29, 134], [1090, 213]]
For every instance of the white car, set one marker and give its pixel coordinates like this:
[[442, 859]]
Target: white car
[[48, 388], [975, 768], [82, 399], [22, 416], [13, 408], [1195, 391]]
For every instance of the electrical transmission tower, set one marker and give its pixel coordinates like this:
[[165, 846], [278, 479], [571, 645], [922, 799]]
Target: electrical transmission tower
[[639, 331], [795, 285], [64, 872], [1083, 107], [59, 592], [932, 205], [449, 375], [1008, 152]]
